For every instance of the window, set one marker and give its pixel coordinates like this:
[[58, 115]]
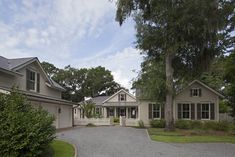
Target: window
[[205, 113], [98, 110], [33, 81], [156, 111], [122, 97], [110, 112], [195, 92], [75, 111], [184, 111]]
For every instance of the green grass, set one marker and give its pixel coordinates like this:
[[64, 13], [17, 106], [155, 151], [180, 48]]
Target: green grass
[[189, 136], [59, 149]]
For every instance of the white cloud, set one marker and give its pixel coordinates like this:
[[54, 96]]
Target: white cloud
[[121, 63], [51, 29]]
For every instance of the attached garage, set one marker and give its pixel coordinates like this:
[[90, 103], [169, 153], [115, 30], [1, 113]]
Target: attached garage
[[61, 109]]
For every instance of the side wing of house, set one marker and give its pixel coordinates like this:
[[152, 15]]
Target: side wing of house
[[40, 90], [197, 102]]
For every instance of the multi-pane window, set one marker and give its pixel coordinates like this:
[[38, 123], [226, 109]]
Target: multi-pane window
[[156, 111], [122, 97], [33, 80], [184, 111], [110, 111], [195, 92], [205, 111], [98, 110]]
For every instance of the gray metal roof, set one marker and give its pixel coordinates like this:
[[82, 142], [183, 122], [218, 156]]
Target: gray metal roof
[[10, 64], [98, 100]]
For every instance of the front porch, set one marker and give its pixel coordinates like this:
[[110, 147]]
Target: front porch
[[123, 111]]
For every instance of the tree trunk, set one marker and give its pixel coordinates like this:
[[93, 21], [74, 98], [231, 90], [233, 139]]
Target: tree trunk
[[169, 92]]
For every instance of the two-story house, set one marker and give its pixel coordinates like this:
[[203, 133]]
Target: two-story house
[[28, 75]]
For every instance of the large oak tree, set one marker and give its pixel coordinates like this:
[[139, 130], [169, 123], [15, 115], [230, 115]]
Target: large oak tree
[[187, 34]]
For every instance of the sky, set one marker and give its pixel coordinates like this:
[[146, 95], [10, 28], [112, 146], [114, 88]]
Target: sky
[[80, 33]]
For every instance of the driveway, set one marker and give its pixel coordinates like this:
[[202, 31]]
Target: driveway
[[115, 141]]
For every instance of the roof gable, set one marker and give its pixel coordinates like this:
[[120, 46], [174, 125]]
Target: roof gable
[[204, 85], [12, 65], [115, 94]]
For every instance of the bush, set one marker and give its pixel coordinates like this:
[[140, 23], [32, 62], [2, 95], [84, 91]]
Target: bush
[[157, 123], [24, 131], [196, 124], [116, 120], [90, 125], [141, 124], [183, 124], [218, 126]]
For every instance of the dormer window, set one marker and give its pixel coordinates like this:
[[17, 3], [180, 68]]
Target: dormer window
[[32, 81], [196, 92], [122, 97]]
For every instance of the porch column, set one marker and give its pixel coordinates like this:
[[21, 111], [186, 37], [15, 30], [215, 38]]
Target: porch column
[[105, 112], [126, 112], [115, 111]]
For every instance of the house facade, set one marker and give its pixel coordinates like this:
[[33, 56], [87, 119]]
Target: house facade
[[30, 78], [195, 102]]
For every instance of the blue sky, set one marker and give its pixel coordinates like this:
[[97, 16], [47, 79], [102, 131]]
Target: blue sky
[[80, 33]]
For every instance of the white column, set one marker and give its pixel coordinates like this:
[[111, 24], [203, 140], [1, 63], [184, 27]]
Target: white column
[[115, 111], [105, 112], [126, 112]]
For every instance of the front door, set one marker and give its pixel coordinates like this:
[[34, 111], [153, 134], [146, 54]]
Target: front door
[[121, 111]]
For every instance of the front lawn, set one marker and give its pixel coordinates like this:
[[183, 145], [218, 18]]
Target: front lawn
[[190, 136], [59, 149]]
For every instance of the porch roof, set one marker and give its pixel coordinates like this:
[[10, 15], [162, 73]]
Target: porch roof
[[117, 104]]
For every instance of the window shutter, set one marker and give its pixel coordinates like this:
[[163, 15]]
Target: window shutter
[[212, 110], [200, 92], [150, 111], [38, 82], [179, 111], [162, 111], [192, 111], [27, 79], [198, 111], [191, 92]]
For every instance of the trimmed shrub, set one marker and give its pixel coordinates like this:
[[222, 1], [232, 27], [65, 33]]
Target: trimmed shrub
[[90, 125], [141, 124], [157, 123], [24, 131], [183, 124], [116, 120], [218, 126], [196, 124]]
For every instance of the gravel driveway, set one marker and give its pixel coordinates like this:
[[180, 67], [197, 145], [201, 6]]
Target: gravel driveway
[[115, 141]]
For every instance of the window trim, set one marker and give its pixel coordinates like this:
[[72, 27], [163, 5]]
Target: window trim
[[190, 114], [35, 81], [160, 111], [197, 92], [209, 111], [120, 97]]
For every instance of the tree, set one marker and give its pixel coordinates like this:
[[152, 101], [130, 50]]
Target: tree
[[230, 79], [50, 69], [151, 81], [24, 130], [80, 83], [88, 108], [186, 33]]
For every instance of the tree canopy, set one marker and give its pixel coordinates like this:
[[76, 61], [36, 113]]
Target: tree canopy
[[84, 82], [186, 35]]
